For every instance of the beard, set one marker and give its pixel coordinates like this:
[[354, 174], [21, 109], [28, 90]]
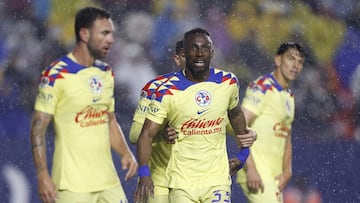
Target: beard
[[94, 52], [198, 73]]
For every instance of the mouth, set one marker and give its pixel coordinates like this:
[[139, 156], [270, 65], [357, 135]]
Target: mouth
[[106, 50], [294, 73], [199, 63]]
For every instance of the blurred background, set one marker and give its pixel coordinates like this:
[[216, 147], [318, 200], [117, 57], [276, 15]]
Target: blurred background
[[246, 34]]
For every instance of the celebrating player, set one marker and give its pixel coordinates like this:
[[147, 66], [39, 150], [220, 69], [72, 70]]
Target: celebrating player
[[195, 101]]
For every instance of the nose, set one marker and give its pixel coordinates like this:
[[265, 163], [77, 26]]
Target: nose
[[200, 52], [299, 65], [111, 38]]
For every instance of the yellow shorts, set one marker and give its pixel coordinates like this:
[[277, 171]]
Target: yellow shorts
[[161, 195], [112, 195], [220, 194], [271, 193]]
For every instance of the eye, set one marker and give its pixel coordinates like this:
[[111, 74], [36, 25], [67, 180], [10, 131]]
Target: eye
[[207, 48], [105, 32]]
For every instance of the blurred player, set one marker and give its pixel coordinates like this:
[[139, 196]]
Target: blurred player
[[196, 102], [77, 93], [160, 149], [269, 109]]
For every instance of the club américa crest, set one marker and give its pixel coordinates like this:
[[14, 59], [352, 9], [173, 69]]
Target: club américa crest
[[203, 98], [96, 84]]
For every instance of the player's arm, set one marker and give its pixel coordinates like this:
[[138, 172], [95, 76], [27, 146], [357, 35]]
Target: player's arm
[[245, 135], [135, 130], [144, 149], [39, 125], [138, 119], [254, 181], [237, 120], [287, 164], [238, 123], [120, 146]]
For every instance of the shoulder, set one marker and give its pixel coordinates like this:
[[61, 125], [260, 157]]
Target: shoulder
[[221, 76], [172, 83], [151, 86], [56, 70], [102, 66], [263, 83]]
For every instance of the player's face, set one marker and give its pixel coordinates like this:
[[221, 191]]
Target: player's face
[[198, 53], [101, 38], [289, 65]]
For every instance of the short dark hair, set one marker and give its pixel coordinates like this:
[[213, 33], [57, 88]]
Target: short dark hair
[[86, 17], [285, 46], [196, 30], [179, 47]]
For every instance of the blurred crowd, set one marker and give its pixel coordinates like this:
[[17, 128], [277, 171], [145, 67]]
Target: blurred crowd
[[245, 33]]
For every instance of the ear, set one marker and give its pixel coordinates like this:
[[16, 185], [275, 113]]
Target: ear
[[84, 34], [212, 53], [277, 60], [177, 59]]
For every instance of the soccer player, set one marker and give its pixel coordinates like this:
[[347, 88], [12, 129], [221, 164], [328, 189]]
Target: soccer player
[[269, 109], [160, 149], [195, 101], [77, 93]]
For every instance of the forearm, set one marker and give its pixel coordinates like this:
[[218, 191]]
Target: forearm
[[250, 164], [287, 162], [117, 138], [144, 149], [144, 144], [237, 121], [39, 126]]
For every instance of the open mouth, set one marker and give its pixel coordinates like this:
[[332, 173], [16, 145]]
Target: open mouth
[[199, 63]]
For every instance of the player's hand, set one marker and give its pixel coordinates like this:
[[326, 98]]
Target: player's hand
[[144, 188], [246, 140], [282, 179], [47, 189], [170, 135], [234, 165], [128, 162], [254, 181]]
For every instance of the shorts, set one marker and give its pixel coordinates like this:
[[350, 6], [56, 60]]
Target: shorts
[[221, 194], [161, 195], [271, 193], [111, 195]]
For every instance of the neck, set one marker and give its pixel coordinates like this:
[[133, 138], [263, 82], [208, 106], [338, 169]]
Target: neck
[[197, 76], [82, 55], [283, 82]]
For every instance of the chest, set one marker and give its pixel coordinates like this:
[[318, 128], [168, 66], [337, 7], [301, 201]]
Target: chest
[[206, 101], [87, 87], [281, 104]]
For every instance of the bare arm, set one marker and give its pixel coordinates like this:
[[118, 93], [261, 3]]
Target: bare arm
[[144, 149], [244, 138], [39, 125], [46, 187], [254, 180], [287, 164], [120, 146], [144, 145], [237, 120]]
